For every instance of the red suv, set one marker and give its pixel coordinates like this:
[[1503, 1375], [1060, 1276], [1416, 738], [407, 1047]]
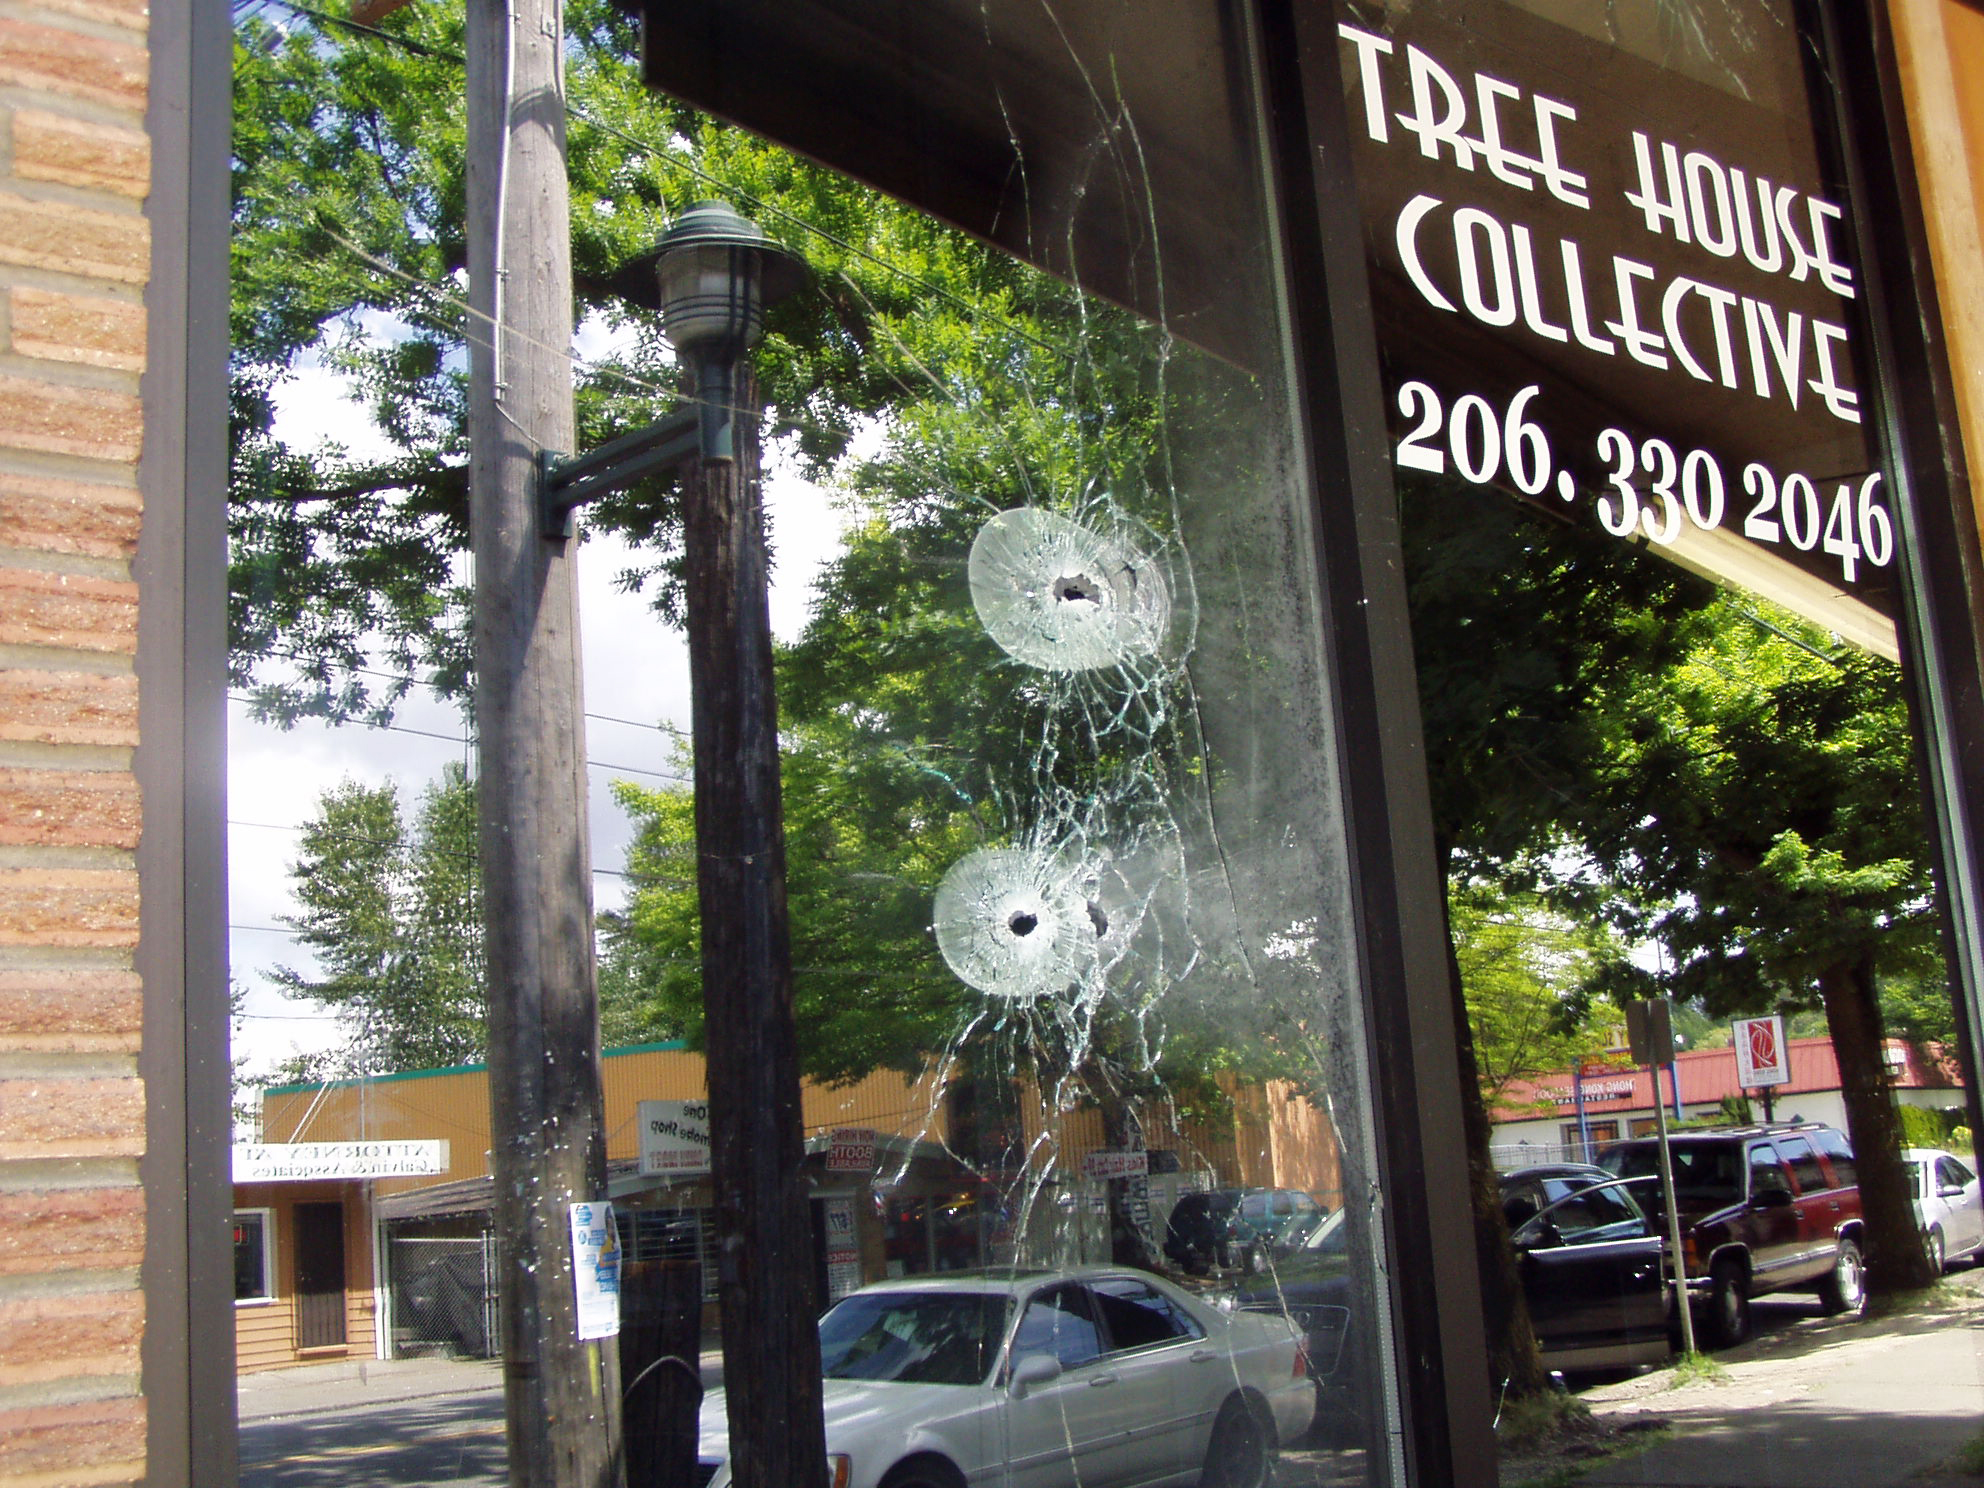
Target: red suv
[[1763, 1209]]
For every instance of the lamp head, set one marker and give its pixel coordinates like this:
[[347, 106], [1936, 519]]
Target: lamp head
[[718, 271]]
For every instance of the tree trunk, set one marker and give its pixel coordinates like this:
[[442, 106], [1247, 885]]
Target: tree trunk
[[1515, 1365], [1130, 1241], [1892, 1240]]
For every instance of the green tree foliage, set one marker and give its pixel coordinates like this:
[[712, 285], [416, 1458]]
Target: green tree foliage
[[348, 250], [391, 913], [869, 990], [1760, 799], [1522, 965]]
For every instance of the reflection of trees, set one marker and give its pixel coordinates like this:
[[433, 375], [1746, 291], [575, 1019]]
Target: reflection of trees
[[1760, 798]]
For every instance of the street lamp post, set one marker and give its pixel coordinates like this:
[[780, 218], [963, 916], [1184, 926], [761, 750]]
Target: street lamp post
[[717, 272]]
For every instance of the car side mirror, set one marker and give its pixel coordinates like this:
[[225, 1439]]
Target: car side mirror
[[1033, 1371], [1950, 1191], [1538, 1234], [1771, 1198]]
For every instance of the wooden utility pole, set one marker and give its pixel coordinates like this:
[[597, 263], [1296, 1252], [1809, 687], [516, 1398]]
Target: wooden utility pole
[[771, 1345], [548, 1146]]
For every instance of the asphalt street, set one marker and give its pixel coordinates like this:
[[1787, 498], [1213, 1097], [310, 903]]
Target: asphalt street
[[1812, 1402]]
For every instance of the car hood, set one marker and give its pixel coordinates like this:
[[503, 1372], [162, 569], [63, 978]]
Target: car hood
[[851, 1407]]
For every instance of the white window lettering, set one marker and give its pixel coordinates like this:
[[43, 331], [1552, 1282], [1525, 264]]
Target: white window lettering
[[1567, 186], [1843, 401], [1642, 345], [1532, 300], [1708, 205], [1428, 77], [1832, 273], [1408, 250], [1580, 307], [1670, 322], [1473, 230], [1670, 208], [1769, 258], [1503, 163], [1369, 49]]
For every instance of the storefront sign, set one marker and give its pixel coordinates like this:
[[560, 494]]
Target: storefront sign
[[1619, 292], [1594, 1090], [851, 1149], [1762, 1056], [675, 1138], [596, 1270], [843, 1248], [298, 1162], [1115, 1164]]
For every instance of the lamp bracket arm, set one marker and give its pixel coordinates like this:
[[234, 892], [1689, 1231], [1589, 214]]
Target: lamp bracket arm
[[567, 482]]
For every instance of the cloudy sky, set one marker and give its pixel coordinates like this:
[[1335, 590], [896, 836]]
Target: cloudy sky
[[636, 677]]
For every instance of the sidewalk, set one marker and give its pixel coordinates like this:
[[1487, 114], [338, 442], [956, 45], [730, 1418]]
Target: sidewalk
[[349, 1384], [353, 1384], [1844, 1405]]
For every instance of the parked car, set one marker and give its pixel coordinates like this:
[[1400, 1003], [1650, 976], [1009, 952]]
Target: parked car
[[937, 1381], [1238, 1228], [1590, 1261], [1265, 1223], [1948, 1205], [1763, 1209], [1195, 1234]]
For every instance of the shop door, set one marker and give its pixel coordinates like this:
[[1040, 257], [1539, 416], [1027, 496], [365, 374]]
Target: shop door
[[319, 1275]]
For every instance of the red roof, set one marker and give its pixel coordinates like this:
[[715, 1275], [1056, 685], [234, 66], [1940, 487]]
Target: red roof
[[1708, 1076]]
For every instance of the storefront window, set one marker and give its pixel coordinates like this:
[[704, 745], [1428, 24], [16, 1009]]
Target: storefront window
[[254, 1255]]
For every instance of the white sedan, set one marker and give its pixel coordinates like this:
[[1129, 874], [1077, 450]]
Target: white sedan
[[1947, 1205], [1042, 1379]]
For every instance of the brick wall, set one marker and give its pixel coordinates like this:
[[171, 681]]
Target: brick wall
[[74, 257]]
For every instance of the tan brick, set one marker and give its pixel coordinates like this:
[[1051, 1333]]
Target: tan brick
[[50, 1338], [78, 1010], [66, 1442], [51, 59], [69, 610], [76, 152], [96, 423], [69, 907], [68, 708], [75, 240], [87, 1229], [50, 515], [133, 15], [78, 328], [72, 1118], [68, 808]]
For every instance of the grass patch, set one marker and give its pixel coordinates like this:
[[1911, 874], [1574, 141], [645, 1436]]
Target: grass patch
[[1935, 1297], [1532, 1423], [1696, 1369], [1970, 1457]]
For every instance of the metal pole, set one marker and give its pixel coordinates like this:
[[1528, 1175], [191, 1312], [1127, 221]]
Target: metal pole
[[1673, 1219], [765, 1281], [548, 1147]]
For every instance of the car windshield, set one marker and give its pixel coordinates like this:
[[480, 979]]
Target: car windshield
[[1704, 1172], [914, 1338]]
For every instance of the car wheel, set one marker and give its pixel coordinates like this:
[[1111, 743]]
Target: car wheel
[[1845, 1286], [1728, 1305], [1241, 1453], [1933, 1243], [923, 1472]]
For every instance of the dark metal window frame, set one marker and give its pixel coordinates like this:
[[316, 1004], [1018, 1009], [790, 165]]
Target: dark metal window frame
[[187, 1362]]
